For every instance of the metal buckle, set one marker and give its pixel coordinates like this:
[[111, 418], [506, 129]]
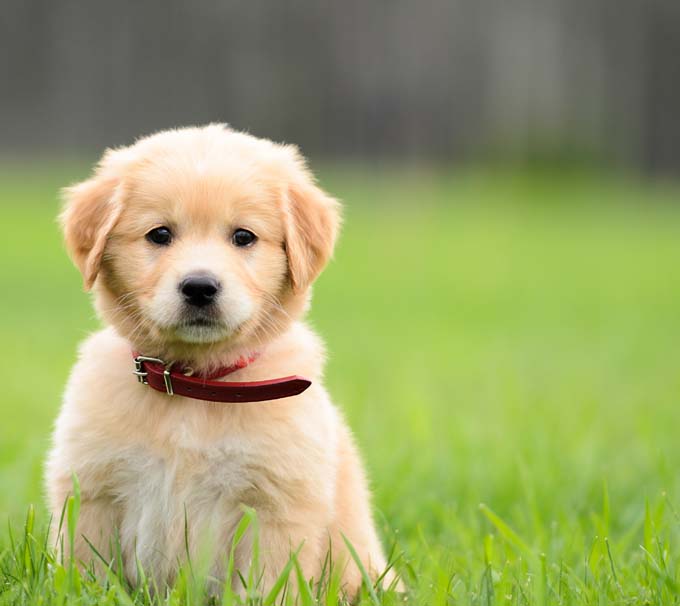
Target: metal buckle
[[141, 374]]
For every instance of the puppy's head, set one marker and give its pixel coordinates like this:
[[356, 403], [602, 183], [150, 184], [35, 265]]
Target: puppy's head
[[200, 238]]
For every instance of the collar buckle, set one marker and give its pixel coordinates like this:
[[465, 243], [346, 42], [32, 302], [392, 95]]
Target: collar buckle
[[141, 374]]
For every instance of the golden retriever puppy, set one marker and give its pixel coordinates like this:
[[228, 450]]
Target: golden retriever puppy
[[200, 246]]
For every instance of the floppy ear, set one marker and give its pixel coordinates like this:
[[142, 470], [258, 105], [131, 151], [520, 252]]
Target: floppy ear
[[312, 222], [91, 211]]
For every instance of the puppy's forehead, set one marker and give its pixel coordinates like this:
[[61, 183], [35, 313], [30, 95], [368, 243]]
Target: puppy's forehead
[[224, 171], [205, 188]]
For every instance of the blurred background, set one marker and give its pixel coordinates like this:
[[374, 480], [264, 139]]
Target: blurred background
[[502, 311], [441, 80]]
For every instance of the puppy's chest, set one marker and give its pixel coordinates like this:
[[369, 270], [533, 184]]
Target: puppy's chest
[[222, 475]]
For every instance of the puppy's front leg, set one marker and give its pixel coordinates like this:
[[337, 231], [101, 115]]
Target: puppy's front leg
[[96, 529], [278, 542], [353, 521], [99, 517]]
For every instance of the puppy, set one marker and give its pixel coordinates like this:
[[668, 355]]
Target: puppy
[[200, 246]]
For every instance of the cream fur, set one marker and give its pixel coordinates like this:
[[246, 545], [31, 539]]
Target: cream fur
[[143, 458]]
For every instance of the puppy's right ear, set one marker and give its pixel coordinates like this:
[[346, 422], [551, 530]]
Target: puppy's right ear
[[91, 210]]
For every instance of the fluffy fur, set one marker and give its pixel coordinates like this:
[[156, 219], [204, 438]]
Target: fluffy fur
[[143, 458]]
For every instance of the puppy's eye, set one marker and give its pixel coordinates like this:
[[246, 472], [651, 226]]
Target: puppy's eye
[[243, 237], [160, 235]]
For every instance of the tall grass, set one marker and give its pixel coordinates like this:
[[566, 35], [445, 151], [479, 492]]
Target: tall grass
[[36, 568]]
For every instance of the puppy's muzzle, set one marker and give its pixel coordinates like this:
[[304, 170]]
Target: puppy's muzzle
[[200, 290]]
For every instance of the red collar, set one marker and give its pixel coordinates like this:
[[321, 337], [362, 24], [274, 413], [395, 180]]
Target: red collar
[[173, 379]]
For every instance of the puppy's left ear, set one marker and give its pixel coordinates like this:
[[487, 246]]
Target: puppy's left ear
[[91, 210], [312, 222]]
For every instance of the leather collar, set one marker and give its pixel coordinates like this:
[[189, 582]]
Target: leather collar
[[173, 379]]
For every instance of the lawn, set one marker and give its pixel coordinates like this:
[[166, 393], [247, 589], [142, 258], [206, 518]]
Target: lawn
[[504, 345]]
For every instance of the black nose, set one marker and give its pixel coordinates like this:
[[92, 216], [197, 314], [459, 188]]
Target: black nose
[[199, 290]]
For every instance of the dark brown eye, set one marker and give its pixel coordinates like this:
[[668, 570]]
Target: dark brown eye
[[243, 237], [160, 235]]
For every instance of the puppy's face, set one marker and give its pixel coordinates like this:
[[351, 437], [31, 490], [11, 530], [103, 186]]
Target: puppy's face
[[200, 238], [200, 253]]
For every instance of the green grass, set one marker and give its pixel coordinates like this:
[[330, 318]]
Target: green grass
[[505, 347]]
